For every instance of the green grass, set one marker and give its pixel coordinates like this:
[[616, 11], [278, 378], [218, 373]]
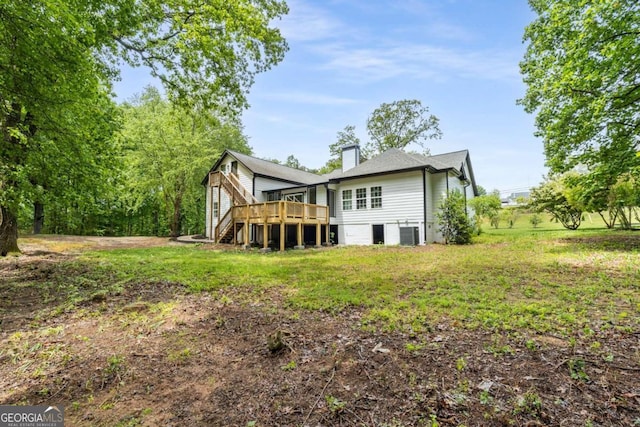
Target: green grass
[[546, 280]]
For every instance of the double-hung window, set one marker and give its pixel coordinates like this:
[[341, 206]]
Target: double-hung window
[[376, 197], [346, 200], [361, 198]]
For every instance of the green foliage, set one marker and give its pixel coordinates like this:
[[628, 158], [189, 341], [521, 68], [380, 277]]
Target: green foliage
[[453, 220], [486, 206], [580, 69], [59, 59], [398, 124], [557, 197], [391, 125], [510, 215], [334, 404], [535, 220], [167, 151], [347, 136], [576, 370]]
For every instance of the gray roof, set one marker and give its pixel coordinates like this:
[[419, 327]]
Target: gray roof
[[270, 169], [394, 160]]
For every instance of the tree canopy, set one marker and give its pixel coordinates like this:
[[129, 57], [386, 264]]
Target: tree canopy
[[398, 124], [167, 150], [582, 69], [59, 58], [392, 125]]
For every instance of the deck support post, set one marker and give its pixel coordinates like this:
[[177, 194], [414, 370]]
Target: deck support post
[[248, 226], [282, 230], [318, 238], [235, 231], [265, 235]]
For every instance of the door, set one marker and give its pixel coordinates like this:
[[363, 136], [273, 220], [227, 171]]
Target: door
[[234, 168], [378, 234]]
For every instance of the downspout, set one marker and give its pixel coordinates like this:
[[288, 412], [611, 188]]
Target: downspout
[[464, 186], [424, 207], [447, 179]]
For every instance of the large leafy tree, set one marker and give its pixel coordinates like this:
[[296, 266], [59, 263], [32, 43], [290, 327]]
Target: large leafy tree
[[398, 124], [392, 125], [167, 150], [582, 69], [58, 56]]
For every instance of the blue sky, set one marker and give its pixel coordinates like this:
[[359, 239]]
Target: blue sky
[[458, 57]]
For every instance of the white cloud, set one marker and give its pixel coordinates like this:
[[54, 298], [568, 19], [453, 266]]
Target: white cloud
[[306, 22], [423, 61], [309, 98]]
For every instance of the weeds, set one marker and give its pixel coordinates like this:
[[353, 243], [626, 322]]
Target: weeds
[[576, 370]]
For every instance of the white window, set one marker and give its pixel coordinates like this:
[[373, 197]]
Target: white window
[[346, 200], [215, 209], [361, 198], [376, 197]]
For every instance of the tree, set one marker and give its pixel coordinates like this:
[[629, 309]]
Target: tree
[[58, 57], [535, 219], [392, 125], [345, 137], [169, 149], [453, 221], [558, 198], [486, 206], [398, 124], [581, 68]]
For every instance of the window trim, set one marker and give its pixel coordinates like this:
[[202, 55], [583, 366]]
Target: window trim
[[361, 199], [347, 202], [376, 200]]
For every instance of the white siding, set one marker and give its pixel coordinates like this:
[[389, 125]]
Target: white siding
[[321, 195], [402, 205], [266, 184], [208, 204]]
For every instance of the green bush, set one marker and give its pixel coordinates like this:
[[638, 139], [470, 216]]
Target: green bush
[[454, 222]]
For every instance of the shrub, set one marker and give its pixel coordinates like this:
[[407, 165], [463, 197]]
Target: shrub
[[454, 222]]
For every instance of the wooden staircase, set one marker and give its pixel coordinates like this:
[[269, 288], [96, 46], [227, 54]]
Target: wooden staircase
[[239, 195]]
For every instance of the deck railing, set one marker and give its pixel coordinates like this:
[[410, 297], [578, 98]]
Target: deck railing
[[281, 211], [232, 186]]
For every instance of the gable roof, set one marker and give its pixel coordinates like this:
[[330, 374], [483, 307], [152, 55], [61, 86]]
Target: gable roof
[[271, 170], [395, 160], [392, 160]]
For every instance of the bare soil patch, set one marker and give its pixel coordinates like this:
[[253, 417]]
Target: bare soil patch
[[155, 354]]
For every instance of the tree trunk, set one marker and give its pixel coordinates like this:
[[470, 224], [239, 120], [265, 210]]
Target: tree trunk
[[38, 217], [176, 219], [8, 232]]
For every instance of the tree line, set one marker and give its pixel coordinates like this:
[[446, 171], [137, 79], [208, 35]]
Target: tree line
[[58, 121]]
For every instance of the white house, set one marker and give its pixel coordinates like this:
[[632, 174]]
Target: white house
[[390, 199]]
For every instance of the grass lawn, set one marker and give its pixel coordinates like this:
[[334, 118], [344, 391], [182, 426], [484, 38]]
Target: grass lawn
[[523, 327], [545, 280]]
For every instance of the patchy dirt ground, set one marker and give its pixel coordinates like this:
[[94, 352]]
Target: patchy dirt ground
[[154, 354]]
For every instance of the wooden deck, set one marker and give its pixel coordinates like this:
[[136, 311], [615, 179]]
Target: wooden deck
[[246, 211], [280, 213]]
